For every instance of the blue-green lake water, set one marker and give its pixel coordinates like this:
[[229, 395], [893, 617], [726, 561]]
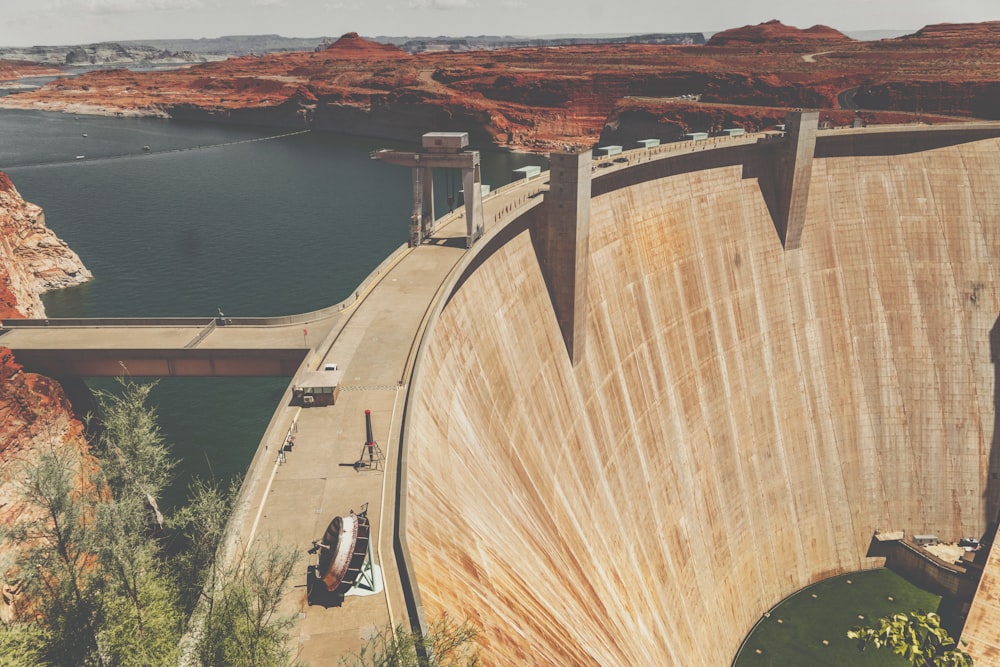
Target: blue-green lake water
[[213, 217]]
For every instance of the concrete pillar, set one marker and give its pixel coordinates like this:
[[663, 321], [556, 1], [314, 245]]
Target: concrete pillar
[[428, 217], [564, 245], [472, 183], [416, 219], [794, 173]]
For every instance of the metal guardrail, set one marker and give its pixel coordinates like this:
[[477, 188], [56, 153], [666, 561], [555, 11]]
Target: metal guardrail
[[202, 335]]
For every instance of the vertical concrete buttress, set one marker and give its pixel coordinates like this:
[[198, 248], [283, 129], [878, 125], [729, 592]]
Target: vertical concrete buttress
[[427, 214], [472, 183], [565, 244], [794, 173]]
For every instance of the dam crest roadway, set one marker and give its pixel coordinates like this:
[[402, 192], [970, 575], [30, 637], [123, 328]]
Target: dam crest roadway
[[379, 336]]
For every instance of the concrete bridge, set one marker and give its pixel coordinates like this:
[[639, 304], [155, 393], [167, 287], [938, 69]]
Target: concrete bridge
[[162, 348], [690, 357]]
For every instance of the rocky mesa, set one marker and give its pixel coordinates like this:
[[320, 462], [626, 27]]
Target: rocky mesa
[[775, 32], [540, 98]]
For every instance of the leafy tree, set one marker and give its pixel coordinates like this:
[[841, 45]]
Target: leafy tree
[[104, 583], [142, 617], [22, 644], [241, 626], [446, 644], [57, 567], [919, 638], [142, 620], [135, 460], [199, 527]]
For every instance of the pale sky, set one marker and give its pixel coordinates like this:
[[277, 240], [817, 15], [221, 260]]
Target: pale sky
[[57, 22]]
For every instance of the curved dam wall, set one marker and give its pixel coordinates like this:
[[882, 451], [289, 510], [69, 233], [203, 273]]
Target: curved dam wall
[[741, 421]]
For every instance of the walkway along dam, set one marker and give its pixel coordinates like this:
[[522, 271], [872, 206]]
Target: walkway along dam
[[656, 398]]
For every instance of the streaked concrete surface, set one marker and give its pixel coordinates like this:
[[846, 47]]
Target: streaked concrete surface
[[742, 420]]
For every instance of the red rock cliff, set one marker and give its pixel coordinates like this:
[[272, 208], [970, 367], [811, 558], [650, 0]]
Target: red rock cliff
[[33, 260], [541, 98], [36, 412], [776, 32]]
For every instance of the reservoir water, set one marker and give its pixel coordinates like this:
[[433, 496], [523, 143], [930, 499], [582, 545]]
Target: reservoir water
[[213, 217]]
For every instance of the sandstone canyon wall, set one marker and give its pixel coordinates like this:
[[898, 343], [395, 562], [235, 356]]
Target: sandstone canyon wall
[[33, 260], [36, 412], [742, 420], [538, 99]]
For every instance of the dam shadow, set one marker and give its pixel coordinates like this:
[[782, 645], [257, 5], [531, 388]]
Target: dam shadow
[[487, 249], [317, 593], [758, 161], [991, 500]]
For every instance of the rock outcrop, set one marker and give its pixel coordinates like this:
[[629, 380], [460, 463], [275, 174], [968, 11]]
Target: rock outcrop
[[543, 98], [775, 32], [11, 70], [37, 415], [110, 54], [36, 412], [352, 45], [33, 260], [943, 34]]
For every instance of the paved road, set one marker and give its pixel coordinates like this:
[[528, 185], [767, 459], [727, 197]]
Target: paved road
[[292, 502], [811, 57], [845, 99]]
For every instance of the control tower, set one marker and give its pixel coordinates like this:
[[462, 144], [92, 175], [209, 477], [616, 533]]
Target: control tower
[[445, 150]]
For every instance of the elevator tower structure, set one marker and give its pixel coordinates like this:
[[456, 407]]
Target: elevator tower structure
[[444, 150]]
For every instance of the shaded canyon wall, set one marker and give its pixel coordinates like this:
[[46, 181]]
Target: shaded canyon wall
[[33, 260], [741, 420], [36, 412]]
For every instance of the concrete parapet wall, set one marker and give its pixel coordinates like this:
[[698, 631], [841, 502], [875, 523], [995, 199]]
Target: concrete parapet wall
[[152, 362], [927, 571], [741, 420]]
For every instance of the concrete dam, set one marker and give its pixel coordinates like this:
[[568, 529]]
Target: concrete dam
[[742, 415]]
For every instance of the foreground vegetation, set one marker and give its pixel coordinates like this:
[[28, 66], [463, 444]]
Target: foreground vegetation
[[916, 637], [107, 579], [446, 644]]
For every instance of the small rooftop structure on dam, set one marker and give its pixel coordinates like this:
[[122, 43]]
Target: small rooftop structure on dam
[[524, 173], [317, 388]]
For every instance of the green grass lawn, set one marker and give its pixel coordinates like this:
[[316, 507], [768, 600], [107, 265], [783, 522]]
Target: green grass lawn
[[793, 634]]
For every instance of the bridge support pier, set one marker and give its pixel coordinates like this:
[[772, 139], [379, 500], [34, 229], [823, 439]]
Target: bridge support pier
[[563, 245], [422, 220]]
